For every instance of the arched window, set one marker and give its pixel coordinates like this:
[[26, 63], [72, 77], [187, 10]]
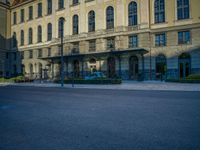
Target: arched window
[[61, 27], [14, 40], [183, 9], [60, 4], [39, 34], [30, 36], [110, 17], [91, 21], [132, 14], [49, 7], [49, 31], [75, 24], [22, 37], [159, 8]]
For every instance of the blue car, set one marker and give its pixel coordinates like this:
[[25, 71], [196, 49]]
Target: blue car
[[95, 75]]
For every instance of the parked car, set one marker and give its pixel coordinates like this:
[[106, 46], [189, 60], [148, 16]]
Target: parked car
[[95, 75]]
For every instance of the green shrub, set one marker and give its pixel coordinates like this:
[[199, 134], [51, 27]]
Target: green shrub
[[2, 80], [193, 77], [16, 79]]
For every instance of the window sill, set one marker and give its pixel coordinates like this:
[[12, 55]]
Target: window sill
[[60, 9], [86, 1], [72, 5], [183, 20], [29, 20], [38, 17], [22, 22], [182, 44], [159, 23], [160, 46], [48, 14]]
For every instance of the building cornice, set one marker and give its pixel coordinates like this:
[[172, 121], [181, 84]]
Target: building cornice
[[19, 4], [4, 5]]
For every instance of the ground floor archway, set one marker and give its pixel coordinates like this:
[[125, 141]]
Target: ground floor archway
[[133, 67], [111, 67], [76, 68], [161, 67], [184, 65]]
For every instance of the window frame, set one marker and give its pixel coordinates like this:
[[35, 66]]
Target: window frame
[[159, 11], [160, 39], [181, 10], [133, 43], [184, 38], [132, 14], [91, 21], [75, 24], [110, 17]]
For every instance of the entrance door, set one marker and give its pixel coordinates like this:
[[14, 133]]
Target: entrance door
[[93, 67], [40, 71], [161, 67], [184, 65], [133, 68], [111, 67], [31, 71]]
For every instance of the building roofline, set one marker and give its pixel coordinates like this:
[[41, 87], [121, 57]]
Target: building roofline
[[4, 5], [18, 3]]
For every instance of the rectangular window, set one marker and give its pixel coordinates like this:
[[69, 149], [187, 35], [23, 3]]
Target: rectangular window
[[75, 48], [133, 41], [39, 9], [60, 4], [49, 7], [183, 9], [22, 55], [30, 13], [184, 37], [59, 50], [40, 53], [75, 2], [14, 18], [22, 15], [92, 45], [110, 43], [160, 39], [49, 51], [30, 54]]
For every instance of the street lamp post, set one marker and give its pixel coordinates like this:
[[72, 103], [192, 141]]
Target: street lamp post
[[62, 60]]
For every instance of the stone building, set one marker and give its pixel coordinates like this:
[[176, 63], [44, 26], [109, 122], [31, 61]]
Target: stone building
[[4, 38], [132, 39]]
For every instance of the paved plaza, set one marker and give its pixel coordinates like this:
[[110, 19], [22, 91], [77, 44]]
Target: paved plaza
[[34, 118]]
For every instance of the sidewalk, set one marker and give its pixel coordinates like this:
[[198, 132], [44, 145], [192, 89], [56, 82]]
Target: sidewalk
[[126, 85]]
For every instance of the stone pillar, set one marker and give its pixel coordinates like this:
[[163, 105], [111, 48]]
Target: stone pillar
[[143, 73], [52, 69], [82, 67], [119, 59]]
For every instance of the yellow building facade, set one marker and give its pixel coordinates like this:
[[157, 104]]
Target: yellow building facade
[[131, 39]]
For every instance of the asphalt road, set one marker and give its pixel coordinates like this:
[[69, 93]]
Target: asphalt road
[[83, 119]]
